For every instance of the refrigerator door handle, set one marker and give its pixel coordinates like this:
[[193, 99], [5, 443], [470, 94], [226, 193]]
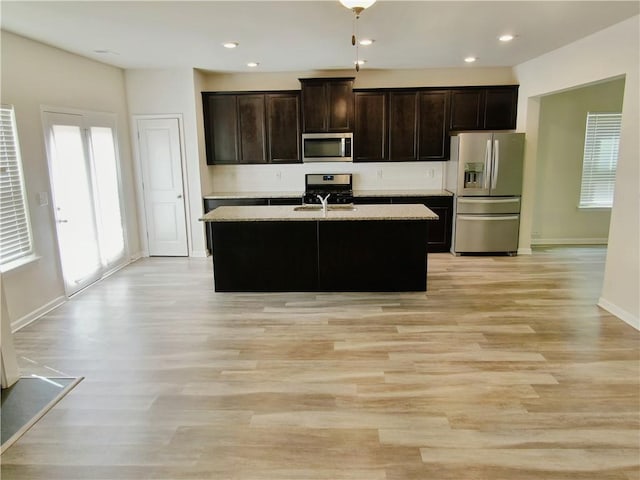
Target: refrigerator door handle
[[496, 161], [484, 218], [488, 200], [487, 164]]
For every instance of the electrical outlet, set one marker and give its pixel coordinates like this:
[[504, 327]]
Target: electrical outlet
[[431, 173], [43, 199], [279, 175], [380, 174]]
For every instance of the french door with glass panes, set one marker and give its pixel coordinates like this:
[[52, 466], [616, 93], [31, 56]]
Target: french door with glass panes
[[83, 166]]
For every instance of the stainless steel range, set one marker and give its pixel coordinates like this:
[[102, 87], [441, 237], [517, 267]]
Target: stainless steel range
[[336, 188]]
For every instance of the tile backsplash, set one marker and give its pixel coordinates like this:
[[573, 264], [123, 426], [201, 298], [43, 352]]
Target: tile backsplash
[[290, 177]]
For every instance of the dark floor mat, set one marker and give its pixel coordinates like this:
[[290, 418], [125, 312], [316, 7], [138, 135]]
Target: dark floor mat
[[26, 401]]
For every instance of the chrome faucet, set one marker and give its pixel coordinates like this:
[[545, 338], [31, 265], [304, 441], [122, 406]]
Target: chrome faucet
[[324, 201]]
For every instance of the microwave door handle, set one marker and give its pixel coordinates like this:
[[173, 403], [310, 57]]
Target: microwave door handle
[[487, 164], [342, 147], [496, 162]]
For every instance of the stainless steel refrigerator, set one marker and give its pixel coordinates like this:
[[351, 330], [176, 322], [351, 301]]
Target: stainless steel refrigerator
[[485, 174]]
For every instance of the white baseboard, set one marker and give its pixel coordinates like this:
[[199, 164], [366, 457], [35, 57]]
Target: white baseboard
[[135, 256], [43, 310], [622, 314], [569, 241], [200, 254], [524, 251], [36, 314]]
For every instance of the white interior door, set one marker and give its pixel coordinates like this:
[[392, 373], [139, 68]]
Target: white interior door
[[161, 165], [83, 164]]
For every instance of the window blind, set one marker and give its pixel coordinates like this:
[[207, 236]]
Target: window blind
[[600, 160], [15, 234]]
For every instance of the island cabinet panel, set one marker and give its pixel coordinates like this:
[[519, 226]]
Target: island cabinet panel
[[433, 135], [327, 104], [370, 127], [283, 127], [372, 256], [211, 204], [403, 114], [265, 256], [319, 255], [251, 129]]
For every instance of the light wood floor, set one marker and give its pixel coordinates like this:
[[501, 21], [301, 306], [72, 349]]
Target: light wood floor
[[504, 370]]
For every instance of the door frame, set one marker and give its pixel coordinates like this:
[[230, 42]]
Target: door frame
[[142, 213], [100, 116]]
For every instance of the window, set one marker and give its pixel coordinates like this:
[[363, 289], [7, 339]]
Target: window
[[600, 160], [15, 231]]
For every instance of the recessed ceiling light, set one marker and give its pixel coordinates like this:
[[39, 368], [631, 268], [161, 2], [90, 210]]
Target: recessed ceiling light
[[366, 42], [252, 64], [230, 44], [470, 59], [506, 38]]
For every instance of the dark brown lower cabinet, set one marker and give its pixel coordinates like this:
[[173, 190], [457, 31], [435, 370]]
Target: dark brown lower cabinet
[[439, 230], [439, 235]]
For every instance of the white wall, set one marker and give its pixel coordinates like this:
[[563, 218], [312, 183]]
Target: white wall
[[34, 74], [171, 92], [557, 218], [366, 78], [608, 54], [367, 176]]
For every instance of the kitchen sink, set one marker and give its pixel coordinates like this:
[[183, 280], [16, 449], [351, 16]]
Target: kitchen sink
[[318, 208]]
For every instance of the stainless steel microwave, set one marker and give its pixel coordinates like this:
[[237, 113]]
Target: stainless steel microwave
[[327, 147]]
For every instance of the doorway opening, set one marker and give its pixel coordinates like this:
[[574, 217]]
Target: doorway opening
[[558, 216]]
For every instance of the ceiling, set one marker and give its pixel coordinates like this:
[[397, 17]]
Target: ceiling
[[308, 35]]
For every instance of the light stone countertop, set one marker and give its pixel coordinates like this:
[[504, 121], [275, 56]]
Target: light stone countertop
[[356, 193], [263, 213]]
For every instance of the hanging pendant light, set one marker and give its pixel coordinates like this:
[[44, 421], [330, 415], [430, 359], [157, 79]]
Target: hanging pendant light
[[357, 7]]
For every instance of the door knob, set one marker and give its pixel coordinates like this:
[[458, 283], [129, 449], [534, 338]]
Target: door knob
[[63, 221], [180, 196]]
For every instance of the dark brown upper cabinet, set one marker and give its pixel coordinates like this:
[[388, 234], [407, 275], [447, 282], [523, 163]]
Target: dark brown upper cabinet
[[401, 125], [403, 116], [501, 107], [327, 104], [433, 134], [221, 128], [370, 126], [252, 127], [484, 108], [283, 127]]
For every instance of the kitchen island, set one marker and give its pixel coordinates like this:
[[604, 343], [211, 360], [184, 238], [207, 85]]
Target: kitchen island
[[285, 248]]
